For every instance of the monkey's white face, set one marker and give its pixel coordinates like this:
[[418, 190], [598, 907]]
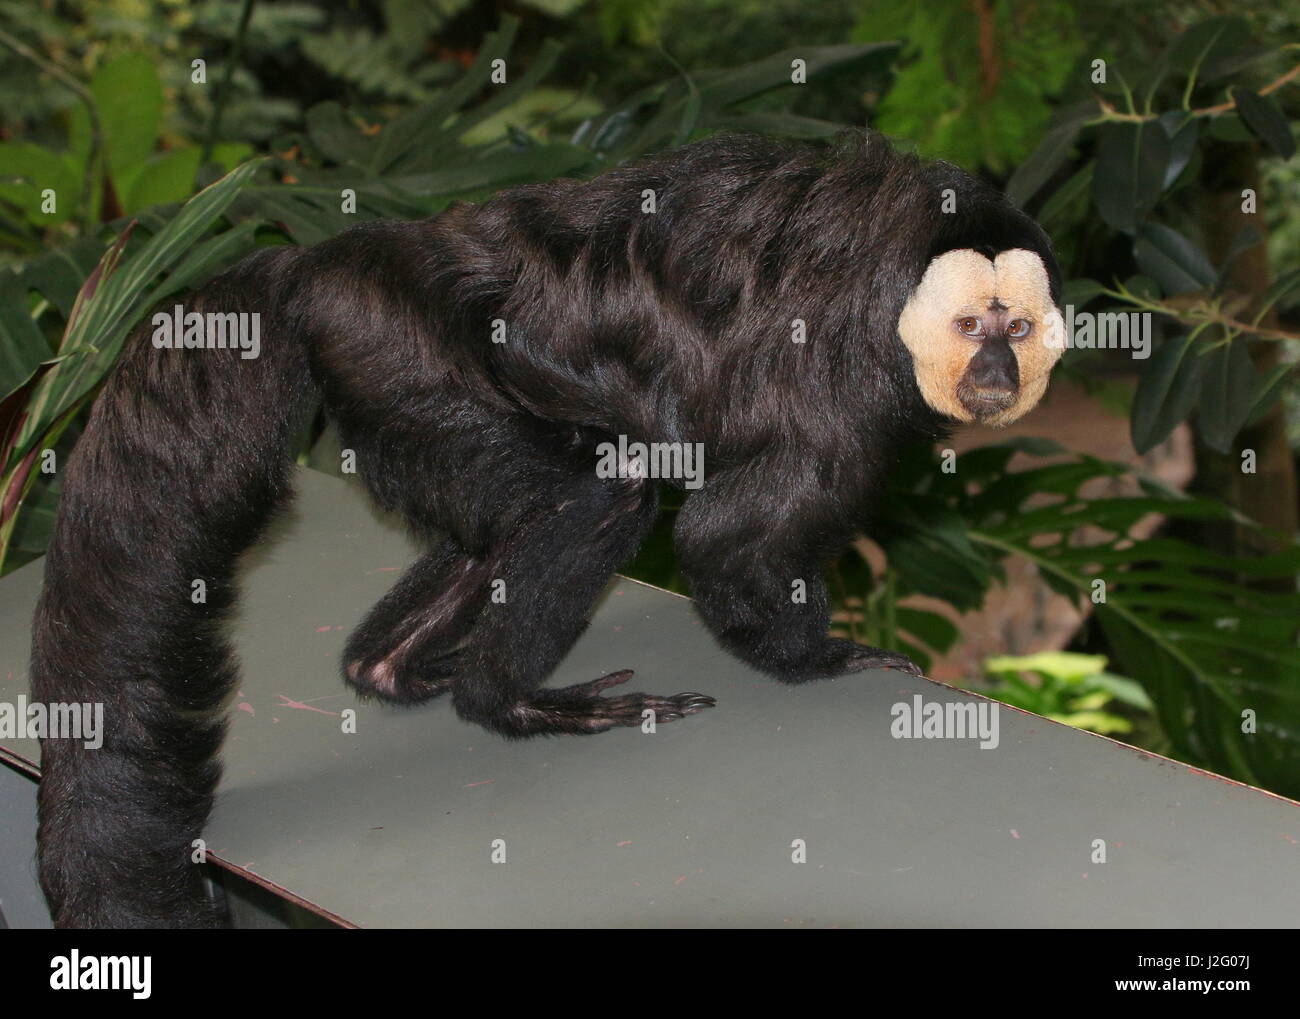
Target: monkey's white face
[[983, 334]]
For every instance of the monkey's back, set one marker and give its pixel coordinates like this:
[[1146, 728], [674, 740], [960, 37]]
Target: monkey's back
[[723, 292]]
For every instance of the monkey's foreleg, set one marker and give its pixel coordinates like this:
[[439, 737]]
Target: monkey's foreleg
[[758, 584], [552, 569]]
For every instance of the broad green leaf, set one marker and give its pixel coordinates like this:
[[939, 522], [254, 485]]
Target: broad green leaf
[[35, 521], [722, 88], [26, 171], [1229, 127], [111, 301], [307, 222], [1050, 155], [204, 260], [1264, 116], [1066, 665], [229, 155], [1069, 194], [58, 275], [931, 567], [1233, 63], [516, 91], [1177, 264], [531, 116], [1034, 445], [129, 97], [1171, 552], [1228, 393], [1078, 292], [1183, 131], [498, 170], [1094, 721], [690, 114], [1207, 40], [1166, 392], [1268, 390], [409, 139], [1279, 289], [1123, 689], [168, 178], [937, 632], [1243, 240], [1132, 160], [22, 346], [1143, 286]]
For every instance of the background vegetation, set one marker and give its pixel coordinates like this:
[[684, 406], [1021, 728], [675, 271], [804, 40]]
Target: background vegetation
[[164, 170]]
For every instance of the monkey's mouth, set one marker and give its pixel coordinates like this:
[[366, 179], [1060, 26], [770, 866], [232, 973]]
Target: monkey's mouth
[[983, 404]]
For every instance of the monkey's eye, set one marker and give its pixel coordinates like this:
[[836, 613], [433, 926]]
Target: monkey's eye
[[1018, 328], [970, 325]]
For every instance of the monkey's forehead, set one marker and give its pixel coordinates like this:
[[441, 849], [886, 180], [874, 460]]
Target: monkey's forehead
[[1017, 278]]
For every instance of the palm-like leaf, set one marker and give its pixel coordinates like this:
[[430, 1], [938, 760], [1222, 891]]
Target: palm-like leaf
[[1209, 644]]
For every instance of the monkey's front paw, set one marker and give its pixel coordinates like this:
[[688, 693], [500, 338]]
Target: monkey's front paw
[[877, 658], [860, 657], [581, 708]]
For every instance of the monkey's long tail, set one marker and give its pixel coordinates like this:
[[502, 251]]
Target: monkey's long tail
[[184, 460]]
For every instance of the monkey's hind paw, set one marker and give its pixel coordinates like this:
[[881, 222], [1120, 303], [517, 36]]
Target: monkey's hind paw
[[582, 709], [409, 685]]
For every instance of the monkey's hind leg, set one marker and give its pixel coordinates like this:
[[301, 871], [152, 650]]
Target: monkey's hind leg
[[553, 566], [405, 650]]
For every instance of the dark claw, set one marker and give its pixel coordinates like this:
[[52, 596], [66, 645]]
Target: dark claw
[[668, 709], [581, 706]]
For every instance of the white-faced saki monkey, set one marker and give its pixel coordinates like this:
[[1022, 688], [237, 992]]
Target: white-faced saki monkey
[[796, 310]]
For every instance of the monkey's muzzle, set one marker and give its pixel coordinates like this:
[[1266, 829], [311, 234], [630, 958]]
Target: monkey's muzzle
[[984, 403]]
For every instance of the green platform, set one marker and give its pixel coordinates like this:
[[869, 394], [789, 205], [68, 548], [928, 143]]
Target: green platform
[[691, 826]]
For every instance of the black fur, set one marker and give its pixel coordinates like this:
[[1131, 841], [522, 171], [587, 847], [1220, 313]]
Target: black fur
[[666, 327]]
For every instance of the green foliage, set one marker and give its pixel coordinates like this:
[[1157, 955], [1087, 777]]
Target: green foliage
[[1192, 626], [121, 164], [471, 139], [389, 64], [110, 301], [975, 80], [28, 169], [1067, 687], [1133, 158], [622, 44], [408, 128]]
